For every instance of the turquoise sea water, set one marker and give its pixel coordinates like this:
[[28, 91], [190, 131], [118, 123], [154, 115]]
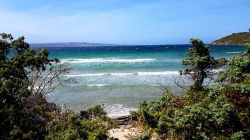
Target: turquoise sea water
[[120, 77]]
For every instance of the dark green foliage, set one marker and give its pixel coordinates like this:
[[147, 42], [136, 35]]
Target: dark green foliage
[[85, 114], [199, 63], [218, 112], [238, 69], [22, 114], [72, 126], [234, 39], [25, 113], [158, 114], [133, 115], [211, 117], [143, 136], [238, 136], [236, 81], [97, 111], [92, 124]]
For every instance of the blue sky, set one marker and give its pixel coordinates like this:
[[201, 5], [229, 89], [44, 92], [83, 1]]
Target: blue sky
[[123, 21]]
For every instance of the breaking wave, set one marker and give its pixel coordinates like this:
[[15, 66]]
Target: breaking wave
[[233, 52], [163, 73], [105, 60], [116, 110]]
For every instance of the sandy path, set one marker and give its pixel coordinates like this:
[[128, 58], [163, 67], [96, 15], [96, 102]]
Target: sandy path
[[124, 132]]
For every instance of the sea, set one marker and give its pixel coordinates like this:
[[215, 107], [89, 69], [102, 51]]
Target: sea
[[120, 77]]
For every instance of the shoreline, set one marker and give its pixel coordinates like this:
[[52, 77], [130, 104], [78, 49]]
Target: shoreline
[[121, 113]]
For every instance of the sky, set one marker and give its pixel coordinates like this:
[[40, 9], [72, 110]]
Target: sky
[[123, 21]]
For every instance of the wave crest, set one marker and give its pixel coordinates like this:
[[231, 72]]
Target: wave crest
[[105, 60], [233, 52], [116, 110], [163, 73]]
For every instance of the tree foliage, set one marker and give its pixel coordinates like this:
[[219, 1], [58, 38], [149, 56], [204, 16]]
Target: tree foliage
[[199, 63], [238, 69], [71, 126], [26, 77], [220, 112], [18, 110]]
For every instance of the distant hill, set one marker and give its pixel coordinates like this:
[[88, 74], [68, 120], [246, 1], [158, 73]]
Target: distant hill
[[67, 44], [234, 39]]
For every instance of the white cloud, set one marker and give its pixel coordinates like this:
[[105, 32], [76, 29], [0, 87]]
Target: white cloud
[[110, 26], [162, 22]]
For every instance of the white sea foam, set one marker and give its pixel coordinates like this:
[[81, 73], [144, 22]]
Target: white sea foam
[[233, 52], [159, 73], [162, 73], [105, 60], [97, 85], [85, 75], [116, 110], [218, 70], [121, 74]]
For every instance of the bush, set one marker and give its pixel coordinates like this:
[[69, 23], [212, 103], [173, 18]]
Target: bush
[[91, 124], [97, 111], [143, 136], [23, 114], [73, 126], [218, 112]]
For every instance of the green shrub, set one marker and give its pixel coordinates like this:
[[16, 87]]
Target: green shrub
[[143, 136], [199, 64], [238, 136], [73, 126], [97, 111], [218, 112], [23, 114]]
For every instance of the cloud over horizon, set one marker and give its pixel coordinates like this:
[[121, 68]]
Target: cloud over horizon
[[119, 22]]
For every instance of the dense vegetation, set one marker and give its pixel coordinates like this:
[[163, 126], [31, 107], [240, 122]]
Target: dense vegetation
[[24, 110], [92, 124], [220, 111], [234, 39]]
